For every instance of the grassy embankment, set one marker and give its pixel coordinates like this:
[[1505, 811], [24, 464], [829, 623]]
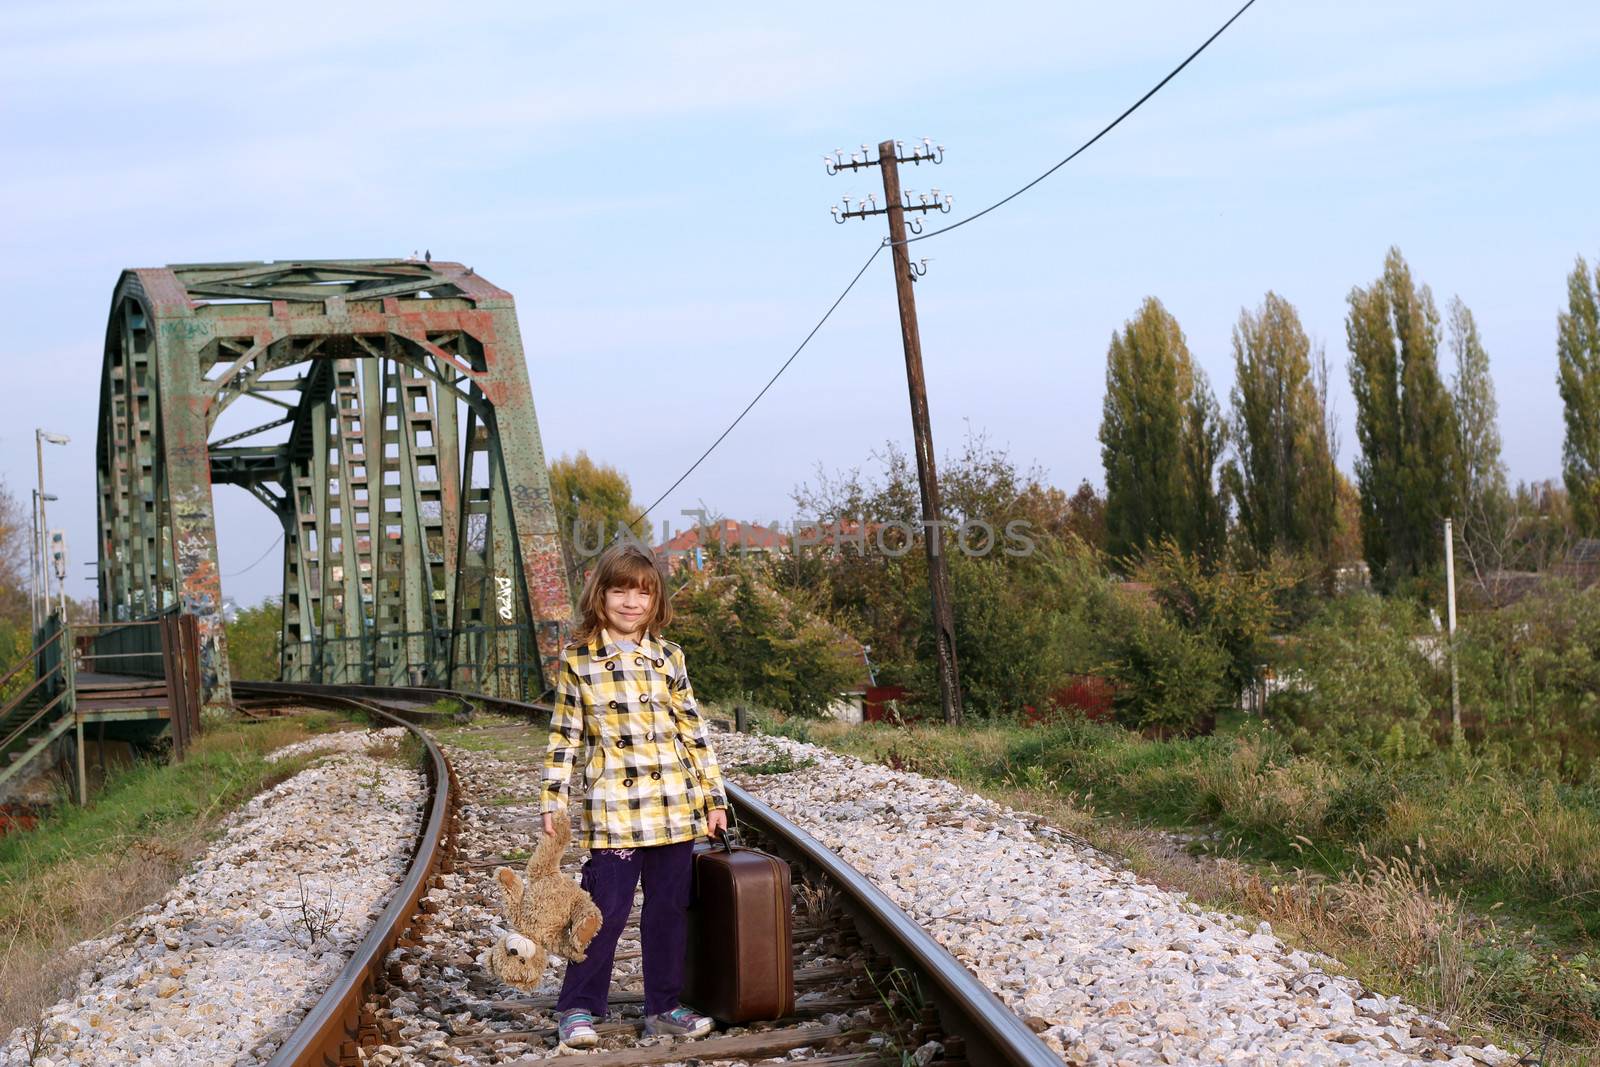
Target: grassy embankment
[[1468, 889], [84, 869]]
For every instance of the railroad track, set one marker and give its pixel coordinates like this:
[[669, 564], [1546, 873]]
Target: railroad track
[[871, 986]]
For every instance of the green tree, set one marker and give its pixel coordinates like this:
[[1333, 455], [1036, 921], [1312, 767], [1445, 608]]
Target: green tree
[[1237, 611], [742, 639], [1360, 681], [1203, 524], [1167, 679], [1282, 478], [253, 638], [1408, 469], [15, 533], [592, 501], [1578, 358], [1019, 604], [1158, 408], [1483, 503]]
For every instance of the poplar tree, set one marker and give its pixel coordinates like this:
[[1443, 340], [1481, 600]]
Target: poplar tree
[[1408, 470], [1482, 499], [1203, 522], [1160, 439], [1578, 376], [1282, 474]]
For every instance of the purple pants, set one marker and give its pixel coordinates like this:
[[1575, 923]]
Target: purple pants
[[609, 876]]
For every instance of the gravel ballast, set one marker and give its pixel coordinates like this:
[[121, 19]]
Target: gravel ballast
[[1110, 969], [226, 966]]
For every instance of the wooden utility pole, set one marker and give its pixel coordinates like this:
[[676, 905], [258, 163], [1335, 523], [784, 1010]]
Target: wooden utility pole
[[895, 207], [944, 625]]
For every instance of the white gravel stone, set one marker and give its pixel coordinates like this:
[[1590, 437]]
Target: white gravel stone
[[1123, 972], [224, 968]]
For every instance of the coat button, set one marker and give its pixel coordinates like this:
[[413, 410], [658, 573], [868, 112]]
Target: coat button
[[651, 736], [638, 661], [626, 782], [623, 743], [645, 697], [660, 662], [613, 703], [611, 664], [655, 775]]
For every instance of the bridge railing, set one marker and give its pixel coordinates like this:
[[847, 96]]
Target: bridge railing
[[508, 655], [121, 648]]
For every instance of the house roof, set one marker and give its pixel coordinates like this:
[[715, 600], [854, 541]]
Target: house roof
[[726, 532]]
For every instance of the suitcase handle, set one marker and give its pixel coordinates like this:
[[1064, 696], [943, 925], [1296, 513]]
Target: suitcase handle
[[731, 837]]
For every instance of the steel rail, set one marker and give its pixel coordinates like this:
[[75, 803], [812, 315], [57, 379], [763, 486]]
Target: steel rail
[[993, 1033], [330, 1031]]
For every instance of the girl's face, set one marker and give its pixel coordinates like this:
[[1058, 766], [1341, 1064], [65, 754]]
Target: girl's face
[[626, 610]]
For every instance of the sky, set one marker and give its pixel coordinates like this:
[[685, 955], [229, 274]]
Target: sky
[[650, 188]]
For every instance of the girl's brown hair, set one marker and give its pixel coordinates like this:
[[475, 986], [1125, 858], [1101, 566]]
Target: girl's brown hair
[[622, 566]]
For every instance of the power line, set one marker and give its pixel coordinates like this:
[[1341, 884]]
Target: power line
[[1113, 124], [264, 555], [825, 317]]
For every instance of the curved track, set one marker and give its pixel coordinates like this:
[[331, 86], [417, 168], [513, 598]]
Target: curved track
[[977, 1027], [328, 1033]]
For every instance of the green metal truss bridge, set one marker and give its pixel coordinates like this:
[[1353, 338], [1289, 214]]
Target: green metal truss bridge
[[396, 446], [386, 423]]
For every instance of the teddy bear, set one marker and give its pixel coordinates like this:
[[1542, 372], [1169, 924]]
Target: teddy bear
[[547, 911]]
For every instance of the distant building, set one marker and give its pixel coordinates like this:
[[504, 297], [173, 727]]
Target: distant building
[[693, 547]]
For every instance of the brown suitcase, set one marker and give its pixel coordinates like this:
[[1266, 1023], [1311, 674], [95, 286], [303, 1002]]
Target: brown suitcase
[[741, 959]]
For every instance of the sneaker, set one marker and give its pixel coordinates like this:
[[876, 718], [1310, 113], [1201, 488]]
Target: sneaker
[[679, 1022], [577, 1029]]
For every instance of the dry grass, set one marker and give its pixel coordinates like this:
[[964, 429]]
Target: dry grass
[[82, 871], [70, 902]]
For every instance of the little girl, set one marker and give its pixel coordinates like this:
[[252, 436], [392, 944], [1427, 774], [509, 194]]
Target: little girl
[[652, 781]]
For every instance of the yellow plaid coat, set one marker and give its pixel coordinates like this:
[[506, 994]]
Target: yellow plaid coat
[[649, 776]]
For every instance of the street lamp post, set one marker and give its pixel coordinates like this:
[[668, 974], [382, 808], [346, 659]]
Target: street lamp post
[[40, 438], [33, 563]]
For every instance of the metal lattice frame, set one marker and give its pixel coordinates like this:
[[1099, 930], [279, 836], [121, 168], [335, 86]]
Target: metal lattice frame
[[419, 535]]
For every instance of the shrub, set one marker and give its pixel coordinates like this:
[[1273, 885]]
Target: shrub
[[1167, 680], [1359, 681], [1235, 609], [744, 640], [1530, 681]]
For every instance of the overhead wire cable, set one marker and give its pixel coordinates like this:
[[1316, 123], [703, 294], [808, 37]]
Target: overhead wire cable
[[1113, 124], [264, 555], [770, 381]]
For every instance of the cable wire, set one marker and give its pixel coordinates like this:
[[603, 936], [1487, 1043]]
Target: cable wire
[[825, 317], [264, 555], [1113, 124]]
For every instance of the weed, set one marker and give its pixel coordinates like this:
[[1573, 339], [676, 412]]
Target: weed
[[778, 763], [450, 706], [903, 1003], [315, 919], [816, 902], [34, 1042]]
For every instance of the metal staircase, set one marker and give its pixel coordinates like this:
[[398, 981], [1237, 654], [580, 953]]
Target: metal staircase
[[42, 710]]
